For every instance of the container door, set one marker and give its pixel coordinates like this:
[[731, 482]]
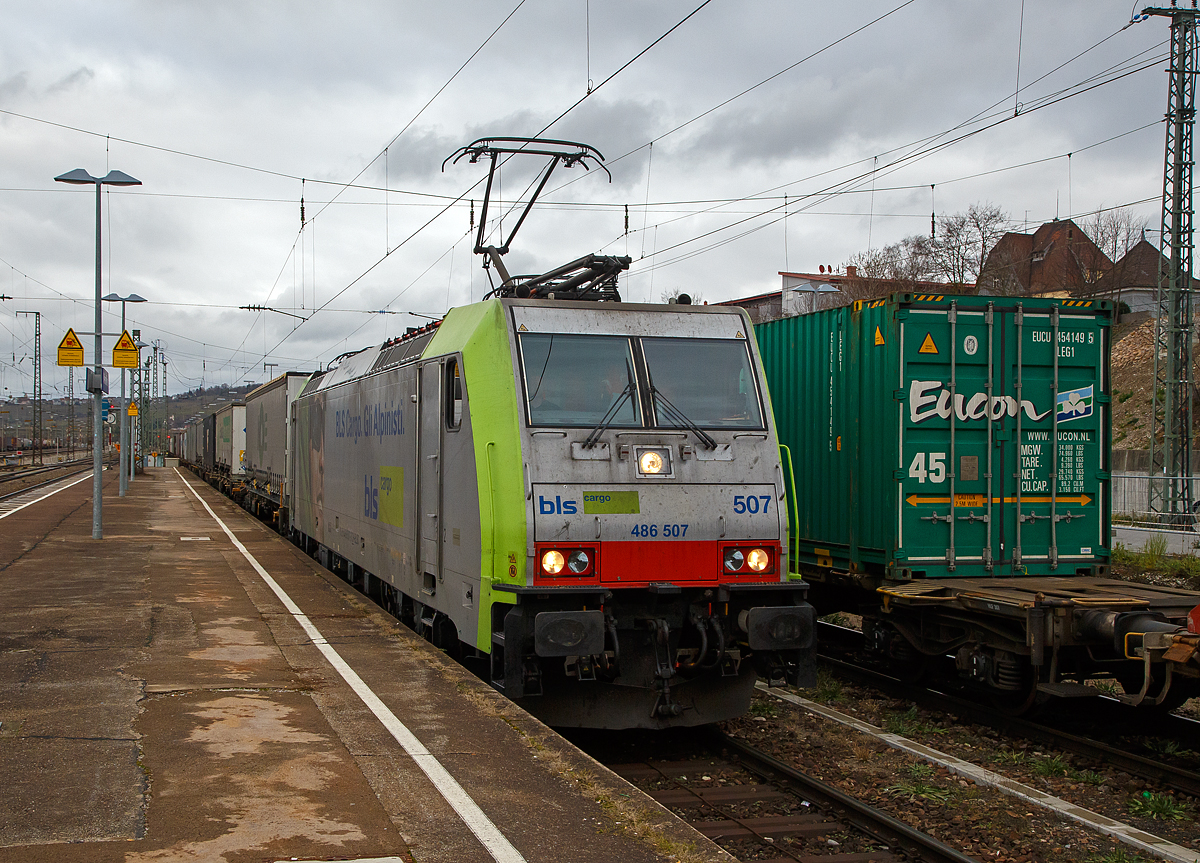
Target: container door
[[950, 490], [429, 472], [1055, 475]]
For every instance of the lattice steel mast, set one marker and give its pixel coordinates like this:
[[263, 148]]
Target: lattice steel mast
[[37, 386], [1171, 457]]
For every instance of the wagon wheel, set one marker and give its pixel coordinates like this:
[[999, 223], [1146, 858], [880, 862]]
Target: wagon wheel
[[1019, 702]]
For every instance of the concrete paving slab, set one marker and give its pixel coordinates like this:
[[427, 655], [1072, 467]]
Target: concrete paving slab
[[184, 713]]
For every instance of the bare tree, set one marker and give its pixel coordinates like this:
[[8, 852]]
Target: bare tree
[[959, 250], [1117, 231]]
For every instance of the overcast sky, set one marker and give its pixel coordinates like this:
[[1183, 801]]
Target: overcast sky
[[221, 108]]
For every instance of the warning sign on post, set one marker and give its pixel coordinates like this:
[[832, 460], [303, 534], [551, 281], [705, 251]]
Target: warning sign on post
[[132, 409], [125, 353], [70, 350]]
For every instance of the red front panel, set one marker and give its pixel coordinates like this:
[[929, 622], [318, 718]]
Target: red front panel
[[632, 564]]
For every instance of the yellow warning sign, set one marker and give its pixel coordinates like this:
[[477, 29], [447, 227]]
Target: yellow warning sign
[[878, 336], [927, 346], [739, 335], [125, 353], [70, 350], [133, 409]]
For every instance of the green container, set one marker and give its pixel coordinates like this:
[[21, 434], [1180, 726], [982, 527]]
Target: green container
[[925, 431]]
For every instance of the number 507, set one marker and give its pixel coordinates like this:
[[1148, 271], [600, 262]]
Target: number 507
[[752, 504]]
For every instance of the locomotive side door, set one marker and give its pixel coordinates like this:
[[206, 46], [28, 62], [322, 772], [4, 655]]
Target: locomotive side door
[[429, 475]]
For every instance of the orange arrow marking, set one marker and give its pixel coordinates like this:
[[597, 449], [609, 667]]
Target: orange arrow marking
[[981, 499]]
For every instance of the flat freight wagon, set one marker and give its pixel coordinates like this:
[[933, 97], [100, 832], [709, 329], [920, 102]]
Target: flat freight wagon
[[950, 483]]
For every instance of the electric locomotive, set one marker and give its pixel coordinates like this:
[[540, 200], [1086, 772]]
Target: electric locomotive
[[588, 494]]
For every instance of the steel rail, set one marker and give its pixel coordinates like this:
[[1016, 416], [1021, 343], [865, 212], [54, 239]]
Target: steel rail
[[877, 824], [44, 483]]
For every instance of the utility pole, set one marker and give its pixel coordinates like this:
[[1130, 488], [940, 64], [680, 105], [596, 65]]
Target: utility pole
[[70, 413], [1170, 459], [37, 385]]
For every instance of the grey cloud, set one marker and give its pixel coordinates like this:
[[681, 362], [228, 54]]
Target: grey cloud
[[77, 79]]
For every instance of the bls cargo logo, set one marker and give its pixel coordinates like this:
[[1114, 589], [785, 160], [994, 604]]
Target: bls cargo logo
[[1075, 404], [558, 506]]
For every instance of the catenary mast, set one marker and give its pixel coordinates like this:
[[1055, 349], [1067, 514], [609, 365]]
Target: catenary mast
[[1170, 492]]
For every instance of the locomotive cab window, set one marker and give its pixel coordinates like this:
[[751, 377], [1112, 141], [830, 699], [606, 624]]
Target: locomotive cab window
[[707, 381], [577, 380], [454, 399]]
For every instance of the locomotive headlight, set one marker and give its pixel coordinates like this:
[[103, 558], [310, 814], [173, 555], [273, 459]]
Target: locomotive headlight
[[734, 559], [758, 559], [553, 562], [651, 462], [578, 561]]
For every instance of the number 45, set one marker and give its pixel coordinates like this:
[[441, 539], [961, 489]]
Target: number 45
[[937, 467]]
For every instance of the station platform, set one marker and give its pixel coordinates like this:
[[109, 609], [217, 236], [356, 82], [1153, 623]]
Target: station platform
[[193, 687]]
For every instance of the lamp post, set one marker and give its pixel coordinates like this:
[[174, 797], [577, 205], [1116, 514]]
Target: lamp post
[[81, 177], [124, 459]]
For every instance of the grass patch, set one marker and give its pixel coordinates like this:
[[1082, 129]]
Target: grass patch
[[828, 689], [1012, 757], [1122, 556], [1052, 765], [1154, 552], [1116, 855], [908, 724], [768, 709], [1089, 777], [1160, 807], [918, 785], [1167, 748]]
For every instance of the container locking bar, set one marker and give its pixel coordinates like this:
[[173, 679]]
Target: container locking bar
[[1054, 445], [1019, 320], [952, 317]]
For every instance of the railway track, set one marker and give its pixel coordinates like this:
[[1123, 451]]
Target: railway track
[[55, 473], [1164, 773], [758, 808]]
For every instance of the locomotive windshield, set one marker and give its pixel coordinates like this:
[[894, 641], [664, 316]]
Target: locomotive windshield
[[573, 380], [591, 380], [708, 381]]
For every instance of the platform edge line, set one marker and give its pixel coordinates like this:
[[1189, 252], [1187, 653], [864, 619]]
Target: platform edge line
[[477, 821]]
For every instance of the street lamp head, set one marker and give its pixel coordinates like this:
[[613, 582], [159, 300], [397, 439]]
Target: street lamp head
[[80, 177], [119, 178], [132, 298]]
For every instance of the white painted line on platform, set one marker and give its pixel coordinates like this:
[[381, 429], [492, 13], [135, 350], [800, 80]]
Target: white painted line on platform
[[982, 776], [46, 495], [468, 810]]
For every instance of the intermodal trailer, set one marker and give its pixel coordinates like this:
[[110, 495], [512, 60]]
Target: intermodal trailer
[[268, 417], [939, 436], [231, 439]]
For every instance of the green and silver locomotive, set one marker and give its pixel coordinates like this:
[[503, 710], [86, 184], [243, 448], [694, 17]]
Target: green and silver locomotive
[[588, 494]]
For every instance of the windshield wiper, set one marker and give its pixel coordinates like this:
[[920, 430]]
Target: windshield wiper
[[610, 415], [679, 418]]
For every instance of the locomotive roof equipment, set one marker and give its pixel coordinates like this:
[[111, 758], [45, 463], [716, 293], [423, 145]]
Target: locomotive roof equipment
[[592, 277]]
